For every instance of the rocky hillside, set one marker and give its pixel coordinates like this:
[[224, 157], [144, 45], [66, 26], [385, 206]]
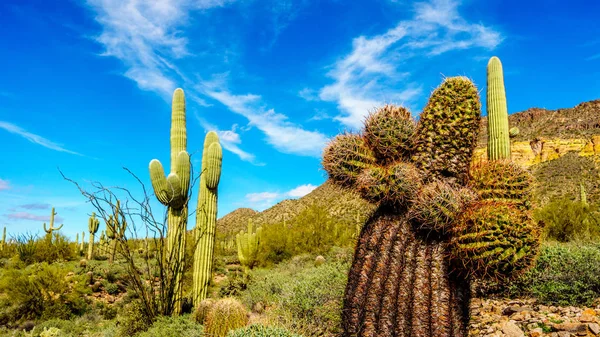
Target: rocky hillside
[[562, 147]]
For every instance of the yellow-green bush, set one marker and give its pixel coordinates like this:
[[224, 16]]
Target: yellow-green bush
[[567, 220]]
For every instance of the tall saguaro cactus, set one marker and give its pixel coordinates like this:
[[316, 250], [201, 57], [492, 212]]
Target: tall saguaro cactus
[[93, 224], [51, 229], [497, 111], [247, 246], [416, 255], [81, 244], [206, 216], [173, 192]]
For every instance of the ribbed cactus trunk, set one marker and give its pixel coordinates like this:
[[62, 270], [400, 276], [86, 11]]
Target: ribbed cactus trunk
[[497, 112], [51, 228], [247, 246], [398, 285], [206, 216], [77, 240], [172, 191]]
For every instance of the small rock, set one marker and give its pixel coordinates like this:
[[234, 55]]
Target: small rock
[[564, 334], [571, 327], [537, 332], [513, 309], [594, 328], [512, 330]]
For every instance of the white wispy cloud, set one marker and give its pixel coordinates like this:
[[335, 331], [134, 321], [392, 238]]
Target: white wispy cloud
[[32, 217], [37, 139], [229, 139], [363, 77], [280, 133], [4, 185], [265, 199], [146, 36]]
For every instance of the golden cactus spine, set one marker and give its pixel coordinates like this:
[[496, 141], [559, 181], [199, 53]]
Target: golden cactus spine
[[173, 192], [206, 216], [93, 224], [497, 111]]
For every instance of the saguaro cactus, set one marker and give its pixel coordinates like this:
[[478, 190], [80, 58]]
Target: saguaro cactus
[[51, 229], [172, 191], [3, 243], [115, 229], [206, 216], [401, 282], [93, 224], [497, 111], [81, 244], [247, 246]]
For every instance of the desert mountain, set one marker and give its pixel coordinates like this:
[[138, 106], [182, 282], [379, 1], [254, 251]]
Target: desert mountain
[[561, 147]]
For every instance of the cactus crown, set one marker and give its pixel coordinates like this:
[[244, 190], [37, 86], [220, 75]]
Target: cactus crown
[[172, 190]]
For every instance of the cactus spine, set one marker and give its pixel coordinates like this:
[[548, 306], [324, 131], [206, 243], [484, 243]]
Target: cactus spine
[[247, 245], [497, 111], [172, 191], [51, 229], [93, 224], [206, 216]]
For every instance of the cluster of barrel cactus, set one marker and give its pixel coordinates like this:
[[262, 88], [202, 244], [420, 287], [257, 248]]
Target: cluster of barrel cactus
[[247, 246], [439, 222]]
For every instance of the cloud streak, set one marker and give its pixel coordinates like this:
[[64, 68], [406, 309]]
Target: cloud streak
[[265, 199], [361, 78], [4, 185], [32, 217], [36, 139], [229, 139]]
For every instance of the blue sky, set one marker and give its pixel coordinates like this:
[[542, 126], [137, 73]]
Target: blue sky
[[85, 86]]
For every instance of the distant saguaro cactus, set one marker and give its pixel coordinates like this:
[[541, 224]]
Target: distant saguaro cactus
[[247, 244], [206, 216], [51, 229], [93, 224], [81, 244], [3, 243], [498, 132], [115, 229], [416, 255]]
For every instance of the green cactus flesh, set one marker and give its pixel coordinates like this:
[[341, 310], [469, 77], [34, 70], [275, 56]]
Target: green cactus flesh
[[497, 112], [401, 282], [206, 216], [3, 243]]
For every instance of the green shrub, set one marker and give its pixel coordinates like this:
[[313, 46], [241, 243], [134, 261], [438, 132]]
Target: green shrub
[[565, 274], [32, 249], [181, 326], [133, 320], [307, 299], [111, 288], [567, 220], [41, 291], [257, 330]]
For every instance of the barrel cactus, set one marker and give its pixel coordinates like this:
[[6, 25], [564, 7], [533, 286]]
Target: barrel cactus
[[408, 277], [225, 315]]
